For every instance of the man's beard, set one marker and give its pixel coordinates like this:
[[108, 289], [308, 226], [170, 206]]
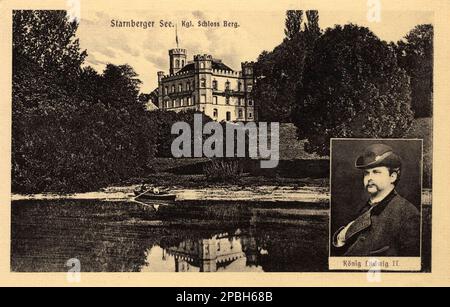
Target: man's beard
[[372, 188]]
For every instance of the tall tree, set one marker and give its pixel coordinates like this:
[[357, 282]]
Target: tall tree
[[48, 39], [293, 23], [415, 55], [352, 87], [278, 74], [73, 129], [312, 28]]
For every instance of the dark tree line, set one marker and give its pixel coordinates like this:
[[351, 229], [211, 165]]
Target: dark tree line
[[345, 81], [73, 128]]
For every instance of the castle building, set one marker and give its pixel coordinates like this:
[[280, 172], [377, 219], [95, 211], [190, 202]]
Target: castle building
[[207, 85]]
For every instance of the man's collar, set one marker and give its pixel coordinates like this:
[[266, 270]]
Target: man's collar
[[377, 208]]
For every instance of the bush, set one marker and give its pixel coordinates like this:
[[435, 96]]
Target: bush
[[223, 170]]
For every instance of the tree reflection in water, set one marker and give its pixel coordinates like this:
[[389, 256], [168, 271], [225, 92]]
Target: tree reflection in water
[[123, 237]]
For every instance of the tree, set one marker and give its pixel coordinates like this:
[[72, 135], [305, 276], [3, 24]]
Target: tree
[[73, 129], [352, 87], [293, 23], [279, 73], [48, 39], [312, 28], [415, 55]]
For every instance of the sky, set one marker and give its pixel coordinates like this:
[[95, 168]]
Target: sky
[[146, 50]]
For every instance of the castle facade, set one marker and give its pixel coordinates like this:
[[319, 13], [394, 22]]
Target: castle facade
[[207, 85]]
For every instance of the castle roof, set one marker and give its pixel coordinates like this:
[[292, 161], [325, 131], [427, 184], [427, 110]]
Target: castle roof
[[216, 64]]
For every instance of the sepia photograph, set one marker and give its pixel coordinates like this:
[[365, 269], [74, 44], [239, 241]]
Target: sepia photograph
[[221, 140], [376, 191]]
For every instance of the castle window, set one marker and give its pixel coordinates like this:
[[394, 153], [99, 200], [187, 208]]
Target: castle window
[[240, 101], [250, 114], [239, 86], [182, 63], [167, 104], [180, 87], [215, 99], [166, 90], [182, 102], [189, 101], [203, 83], [214, 84], [240, 113], [177, 64], [203, 99], [227, 85], [174, 103], [250, 102], [228, 116], [227, 100], [188, 86], [215, 113], [173, 88], [202, 65], [249, 88]]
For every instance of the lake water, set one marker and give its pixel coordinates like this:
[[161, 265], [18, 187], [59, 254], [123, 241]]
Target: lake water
[[189, 237]]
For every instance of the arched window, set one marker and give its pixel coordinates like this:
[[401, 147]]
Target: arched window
[[180, 87], [215, 113], [166, 90], [202, 65], [182, 63], [177, 64], [173, 88], [188, 86]]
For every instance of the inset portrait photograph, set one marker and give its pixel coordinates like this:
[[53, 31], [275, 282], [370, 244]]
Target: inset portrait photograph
[[375, 198]]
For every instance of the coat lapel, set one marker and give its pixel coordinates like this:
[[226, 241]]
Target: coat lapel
[[364, 221], [361, 223]]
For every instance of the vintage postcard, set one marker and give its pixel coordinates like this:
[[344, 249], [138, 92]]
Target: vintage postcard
[[249, 136]]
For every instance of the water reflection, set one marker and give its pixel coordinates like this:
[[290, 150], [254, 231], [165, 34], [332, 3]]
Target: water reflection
[[219, 253], [124, 237]]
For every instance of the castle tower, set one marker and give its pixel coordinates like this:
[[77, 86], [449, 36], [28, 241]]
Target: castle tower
[[248, 76], [177, 58], [203, 72], [160, 89]]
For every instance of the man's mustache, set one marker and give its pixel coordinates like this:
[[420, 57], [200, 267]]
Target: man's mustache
[[371, 184]]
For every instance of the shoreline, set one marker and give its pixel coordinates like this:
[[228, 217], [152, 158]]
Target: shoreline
[[266, 193]]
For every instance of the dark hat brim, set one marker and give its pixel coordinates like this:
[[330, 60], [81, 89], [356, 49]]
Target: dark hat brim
[[388, 159]]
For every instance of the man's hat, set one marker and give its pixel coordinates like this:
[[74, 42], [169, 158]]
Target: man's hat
[[378, 155]]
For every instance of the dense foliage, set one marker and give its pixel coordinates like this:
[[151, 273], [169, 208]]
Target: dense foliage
[[73, 129], [344, 82], [415, 55], [279, 73], [352, 87]]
